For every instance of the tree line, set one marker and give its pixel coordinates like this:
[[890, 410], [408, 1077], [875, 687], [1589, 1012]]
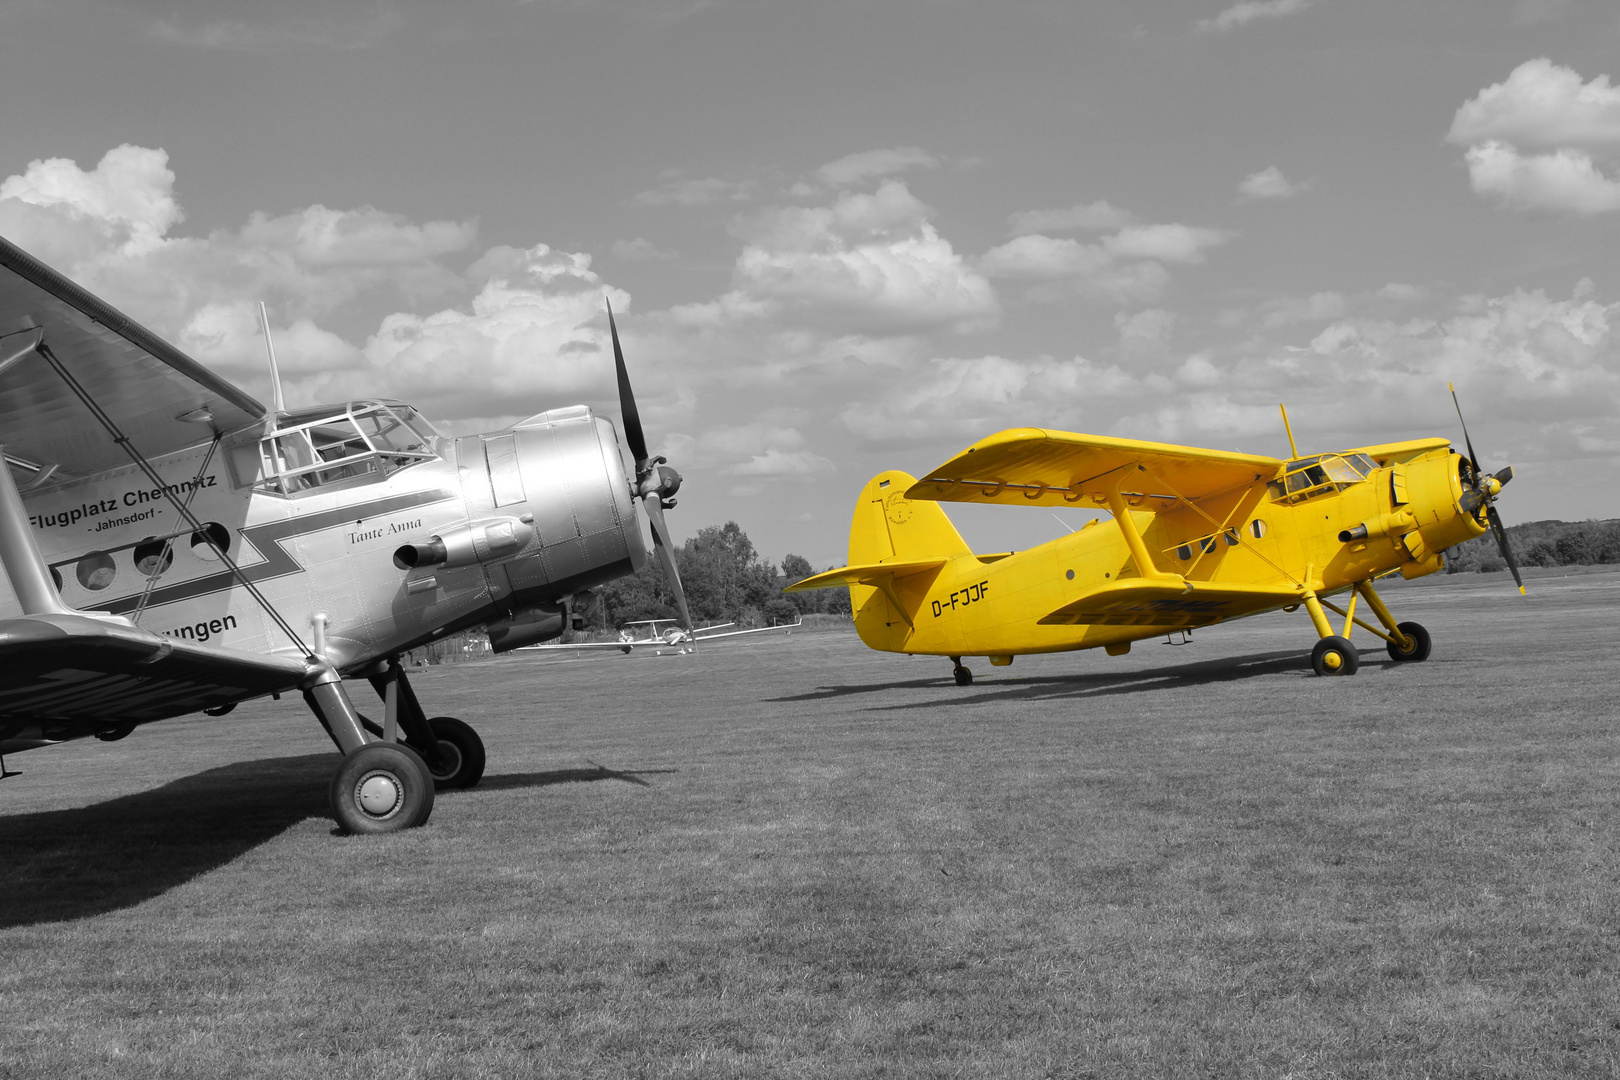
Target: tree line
[[725, 580], [1541, 543]]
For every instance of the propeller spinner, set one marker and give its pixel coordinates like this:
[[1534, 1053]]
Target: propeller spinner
[[1483, 489], [656, 483]]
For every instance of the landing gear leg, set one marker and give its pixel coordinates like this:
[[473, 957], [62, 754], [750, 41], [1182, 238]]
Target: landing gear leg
[[1405, 641], [380, 787], [1333, 655], [964, 677], [451, 748]]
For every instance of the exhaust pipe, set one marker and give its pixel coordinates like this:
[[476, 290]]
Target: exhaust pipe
[[467, 545]]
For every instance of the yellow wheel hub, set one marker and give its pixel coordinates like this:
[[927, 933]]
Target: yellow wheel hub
[[1332, 661]]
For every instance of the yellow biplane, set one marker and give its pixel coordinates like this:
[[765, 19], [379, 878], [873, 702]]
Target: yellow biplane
[[1199, 537]]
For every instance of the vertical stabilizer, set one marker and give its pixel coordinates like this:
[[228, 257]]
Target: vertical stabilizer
[[888, 526]]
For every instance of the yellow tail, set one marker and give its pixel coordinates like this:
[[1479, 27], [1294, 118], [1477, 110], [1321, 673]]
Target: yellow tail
[[888, 527]]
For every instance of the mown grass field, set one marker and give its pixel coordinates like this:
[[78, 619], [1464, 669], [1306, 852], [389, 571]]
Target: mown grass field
[[795, 857]]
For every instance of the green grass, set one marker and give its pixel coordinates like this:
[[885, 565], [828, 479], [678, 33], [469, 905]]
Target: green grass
[[795, 857]]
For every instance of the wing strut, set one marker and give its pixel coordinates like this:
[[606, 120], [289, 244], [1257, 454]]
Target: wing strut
[[184, 508]]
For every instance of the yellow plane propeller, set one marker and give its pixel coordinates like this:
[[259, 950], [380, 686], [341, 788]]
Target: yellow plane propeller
[[1198, 537]]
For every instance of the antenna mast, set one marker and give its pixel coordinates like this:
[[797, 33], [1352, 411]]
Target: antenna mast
[[276, 400]]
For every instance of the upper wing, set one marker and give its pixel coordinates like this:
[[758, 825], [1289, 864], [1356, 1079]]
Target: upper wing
[[72, 670], [145, 384], [1037, 467]]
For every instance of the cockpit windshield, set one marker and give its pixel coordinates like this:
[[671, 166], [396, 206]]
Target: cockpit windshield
[[1307, 477], [344, 444]]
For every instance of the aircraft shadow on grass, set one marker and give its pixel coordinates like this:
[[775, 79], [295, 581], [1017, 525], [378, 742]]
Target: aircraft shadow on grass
[[1204, 672], [71, 864]]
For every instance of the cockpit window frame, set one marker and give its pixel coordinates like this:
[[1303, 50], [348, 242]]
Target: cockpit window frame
[[297, 457], [1321, 474]]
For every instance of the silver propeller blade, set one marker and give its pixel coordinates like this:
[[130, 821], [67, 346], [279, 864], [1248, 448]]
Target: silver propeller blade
[[655, 484], [655, 516]]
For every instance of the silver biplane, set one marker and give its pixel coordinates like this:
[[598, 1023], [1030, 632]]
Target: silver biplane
[[170, 545]]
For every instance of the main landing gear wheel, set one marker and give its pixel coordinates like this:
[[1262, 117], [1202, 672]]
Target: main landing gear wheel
[[964, 677], [1417, 640], [461, 753], [381, 788], [1335, 656]]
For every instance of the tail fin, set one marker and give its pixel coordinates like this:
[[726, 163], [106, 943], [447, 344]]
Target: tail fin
[[887, 525]]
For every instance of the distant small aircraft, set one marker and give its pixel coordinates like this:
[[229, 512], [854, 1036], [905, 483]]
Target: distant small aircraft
[[673, 635], [1199, 537]]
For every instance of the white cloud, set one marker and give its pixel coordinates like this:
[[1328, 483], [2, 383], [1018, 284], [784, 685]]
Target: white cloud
[[1542, 105], [869, 164], [1097, 215], [1123, 267], [1148, 328], [866, 262], [1166, 243], [1535, 140], [1270, 183], [1567, 180], [127, 199], [1242, 14]]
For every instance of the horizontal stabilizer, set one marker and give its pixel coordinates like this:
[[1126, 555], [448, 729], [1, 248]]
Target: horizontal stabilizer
[[876, 574], [1175, 602]]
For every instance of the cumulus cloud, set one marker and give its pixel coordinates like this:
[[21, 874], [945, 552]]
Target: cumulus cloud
[[1541, 105], [1248, 11], [125, 203], [1126, 266], [1537, 140], [1270, 183], [867, 261], [872, 164], [1566, 180]]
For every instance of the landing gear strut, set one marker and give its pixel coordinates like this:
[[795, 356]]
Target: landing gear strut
[[451, 748], [381, 787], [1334, 655], [964, 677]]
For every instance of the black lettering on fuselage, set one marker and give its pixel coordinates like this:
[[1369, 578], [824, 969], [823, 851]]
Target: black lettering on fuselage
[[973, 594]]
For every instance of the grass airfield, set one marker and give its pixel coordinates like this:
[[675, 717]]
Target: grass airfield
[[795, 857]]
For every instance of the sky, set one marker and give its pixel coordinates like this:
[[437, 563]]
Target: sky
[[843, 237]]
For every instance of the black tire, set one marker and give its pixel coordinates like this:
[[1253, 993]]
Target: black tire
[[461, 754], [1335, 656], [964, 677], [381, 788], [1419, 639]]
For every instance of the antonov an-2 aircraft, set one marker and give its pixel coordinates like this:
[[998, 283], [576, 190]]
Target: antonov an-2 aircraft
[[1198, 537], [170, 545]]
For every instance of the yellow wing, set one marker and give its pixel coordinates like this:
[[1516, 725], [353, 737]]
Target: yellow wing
[[1177, 602], [1037, 467]]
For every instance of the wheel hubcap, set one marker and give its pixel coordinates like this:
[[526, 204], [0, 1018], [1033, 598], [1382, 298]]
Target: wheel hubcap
[[379, 794], [449, 760], [1332, 661]]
